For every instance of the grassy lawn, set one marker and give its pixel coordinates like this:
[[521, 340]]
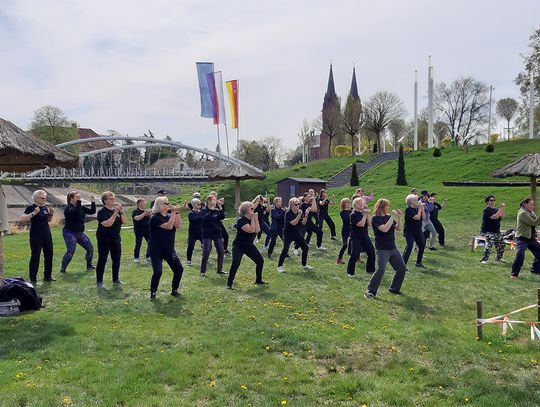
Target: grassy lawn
[[308, 339]]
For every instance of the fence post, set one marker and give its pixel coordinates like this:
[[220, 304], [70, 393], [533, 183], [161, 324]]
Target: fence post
[[478, 318]]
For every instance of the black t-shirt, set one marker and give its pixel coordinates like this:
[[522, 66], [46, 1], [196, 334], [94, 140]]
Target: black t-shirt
[[278, 217], [434, 214], [345, 215], [312, 216], [243, 238], [142, 225], [292, 230], [112, 233], [161, 240], [324, 207], [412, 226], [38, 223], [211, 223], [488, 224], [195, 224], [357, 231], [74, 216], [383, 241]]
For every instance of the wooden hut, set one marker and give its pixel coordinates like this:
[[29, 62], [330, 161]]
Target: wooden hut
[[291, 186]]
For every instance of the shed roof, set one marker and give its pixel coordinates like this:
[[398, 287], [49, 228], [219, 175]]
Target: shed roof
[[305, 180]]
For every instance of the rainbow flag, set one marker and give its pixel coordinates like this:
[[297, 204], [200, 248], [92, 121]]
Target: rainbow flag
[[215, 86], [232, 90]]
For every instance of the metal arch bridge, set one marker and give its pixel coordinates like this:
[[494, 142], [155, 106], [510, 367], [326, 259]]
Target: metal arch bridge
[[124, 163]]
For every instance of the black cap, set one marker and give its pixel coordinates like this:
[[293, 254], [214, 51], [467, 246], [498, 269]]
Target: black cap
[[162, 192]]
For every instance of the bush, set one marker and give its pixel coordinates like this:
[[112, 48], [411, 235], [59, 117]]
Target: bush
[[296, 169], [437, 152], [360, 160], [303, 166], [493, 138], [401, 179], [342, 151], [490, 148]]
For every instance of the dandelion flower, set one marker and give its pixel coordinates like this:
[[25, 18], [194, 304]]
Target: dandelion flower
[[283, 402], [243, 387]]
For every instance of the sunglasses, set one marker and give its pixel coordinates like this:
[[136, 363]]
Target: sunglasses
[[165, 203], [296, 204]]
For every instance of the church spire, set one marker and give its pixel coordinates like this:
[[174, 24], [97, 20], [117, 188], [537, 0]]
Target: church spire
[[330, 97], [354, 87]]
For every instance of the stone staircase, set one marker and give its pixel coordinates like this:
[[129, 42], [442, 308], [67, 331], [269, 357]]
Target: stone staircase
[[344, 177]]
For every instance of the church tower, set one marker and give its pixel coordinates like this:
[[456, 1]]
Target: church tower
[[321, 150]]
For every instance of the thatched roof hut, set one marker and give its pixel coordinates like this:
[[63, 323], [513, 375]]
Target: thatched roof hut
[[20, 151], [526, 166], [237, 172]]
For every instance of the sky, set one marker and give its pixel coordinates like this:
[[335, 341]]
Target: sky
[[130, 65]]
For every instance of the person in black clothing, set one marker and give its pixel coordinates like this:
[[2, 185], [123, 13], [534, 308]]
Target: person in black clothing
[[195, 228], [360, 223], [491, 229], [212, 215], [434, 216], [345, 215], [276, 228], [164, 222], [110, 218], [141, 228], [384, 225], [224, 233], [247, 227], [261, 210], [73, 230], [324, 202], [414, 214], [310, 201], [39, 215], [294, 220]]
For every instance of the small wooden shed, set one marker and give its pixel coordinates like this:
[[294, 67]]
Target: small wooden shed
[[289, 187]]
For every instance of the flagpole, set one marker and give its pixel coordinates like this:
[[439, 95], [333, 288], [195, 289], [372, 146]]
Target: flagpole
[[415, 110], [237, 114], [531, 106], [218, 143], [430, 105]]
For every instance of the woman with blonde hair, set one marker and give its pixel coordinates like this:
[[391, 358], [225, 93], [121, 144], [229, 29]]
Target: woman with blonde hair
[[360, 221], [212, 215], [164, 223], [247, 227], [414, 215], [345, 205], [110, 219], [294, 220], [384, 224]]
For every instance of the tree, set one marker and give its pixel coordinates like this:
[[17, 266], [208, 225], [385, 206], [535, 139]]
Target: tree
[[330, 123], [507, 108], [354, 176], [352, 118], [463, 107], [306, 139], [532, 63], [50, 123], [293, 157], [397, 130], [265, 154], [380, 110], [401, 179]]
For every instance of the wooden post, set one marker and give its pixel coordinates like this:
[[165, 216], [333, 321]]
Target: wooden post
[[478, 318], [533, 189], [236, 194]]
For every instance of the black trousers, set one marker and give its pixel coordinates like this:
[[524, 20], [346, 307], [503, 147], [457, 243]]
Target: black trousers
[[157, 268], [358, 245], [253, 253], [39, 241], [273, 238], [440, 230], [139, 236], [310, 229], [191, 245], [420, 241], [345, 245], [106, 246], [225, 237], [299, 242], [324, 217]]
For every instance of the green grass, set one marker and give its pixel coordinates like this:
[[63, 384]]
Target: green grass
[[307, 338]]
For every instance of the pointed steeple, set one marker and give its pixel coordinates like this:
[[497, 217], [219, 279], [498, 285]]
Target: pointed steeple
[[330, 95], [354, 87]]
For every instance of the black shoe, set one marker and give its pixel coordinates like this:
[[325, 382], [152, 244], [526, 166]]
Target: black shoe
[[432, 248], [222, 272], [395, 292], [90, 268], [229, 287], [333, 238], [368, 295], [34, 282], [175, 293], [63, 271], [118, 282], [49, 280], [261, 283], [152, 296], [420, 266], [226, 251]]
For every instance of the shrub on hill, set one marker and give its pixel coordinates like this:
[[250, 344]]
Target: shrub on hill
[[354, 176], [437, 152], [490, 148], [342, 151]]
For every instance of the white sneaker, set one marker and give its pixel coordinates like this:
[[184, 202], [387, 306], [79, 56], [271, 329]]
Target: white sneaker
[[280, 269], [483, 262], [188, 262], [135, 260], [307, 267], [149, 259], [295, 252], [321, 248], [351, 275]]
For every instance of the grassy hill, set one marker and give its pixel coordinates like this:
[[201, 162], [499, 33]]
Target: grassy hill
[[307, 339]]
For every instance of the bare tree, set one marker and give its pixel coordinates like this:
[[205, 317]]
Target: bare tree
[[523, 80], [330, 123], [380, 110], [352, 118], [507, 108], [306, 137], [397, 129], [463, 107]]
